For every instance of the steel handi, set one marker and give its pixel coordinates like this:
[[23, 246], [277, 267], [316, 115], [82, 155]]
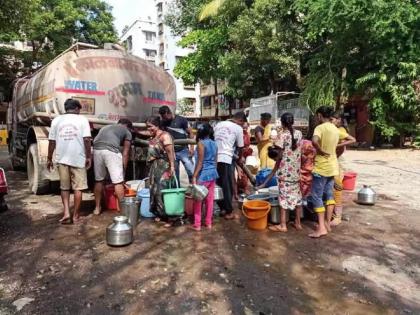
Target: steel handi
[[130, 209]]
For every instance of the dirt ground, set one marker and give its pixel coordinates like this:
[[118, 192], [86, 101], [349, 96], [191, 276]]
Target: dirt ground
[[368, 265]]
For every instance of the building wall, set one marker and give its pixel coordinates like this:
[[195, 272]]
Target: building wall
[[209, 101], [169, 53], [140, 39], [165, 46]]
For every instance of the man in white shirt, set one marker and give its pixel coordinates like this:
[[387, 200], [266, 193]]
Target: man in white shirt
[[71, 139], [229, 138]]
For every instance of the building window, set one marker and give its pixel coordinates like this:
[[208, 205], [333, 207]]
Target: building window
[[206, 101], [160, 28], [150, 36], [129, 43], [161, 49], [162, 65], [150, 52], [160, 7]]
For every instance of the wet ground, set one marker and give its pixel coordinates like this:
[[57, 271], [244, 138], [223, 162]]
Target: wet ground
[[368, 265]]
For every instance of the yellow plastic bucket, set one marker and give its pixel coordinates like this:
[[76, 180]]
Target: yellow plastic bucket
[[256, 212]]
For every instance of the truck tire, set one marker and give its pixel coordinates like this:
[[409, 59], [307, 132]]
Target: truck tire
[[37, 184]]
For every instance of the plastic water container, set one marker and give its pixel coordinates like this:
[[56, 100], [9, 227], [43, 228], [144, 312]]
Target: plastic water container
[[262, 175], [144, 196], [349, 180], [110, 199]]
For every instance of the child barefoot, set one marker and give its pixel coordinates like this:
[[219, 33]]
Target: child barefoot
[[205, 173], [288, 166]]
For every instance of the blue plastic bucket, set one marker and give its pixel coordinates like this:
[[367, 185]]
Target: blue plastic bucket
[[262, 175], [144, 196]]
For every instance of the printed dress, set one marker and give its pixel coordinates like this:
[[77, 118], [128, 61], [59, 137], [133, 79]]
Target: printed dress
[[158, 162], [290, 195]]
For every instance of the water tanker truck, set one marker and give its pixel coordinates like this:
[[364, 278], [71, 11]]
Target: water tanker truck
[[109, 83]]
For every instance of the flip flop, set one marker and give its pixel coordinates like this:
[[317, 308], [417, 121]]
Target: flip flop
[[319, 236], [67, 221], [276, 228]]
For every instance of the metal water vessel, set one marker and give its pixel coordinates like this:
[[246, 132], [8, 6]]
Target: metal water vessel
[[120, 232]]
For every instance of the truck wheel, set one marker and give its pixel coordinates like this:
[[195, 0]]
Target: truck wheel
[[37, 184]]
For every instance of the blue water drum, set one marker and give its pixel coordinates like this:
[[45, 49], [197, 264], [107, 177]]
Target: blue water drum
[[144, 196], [262, 175]]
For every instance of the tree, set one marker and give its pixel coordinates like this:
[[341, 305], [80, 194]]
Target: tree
[[368, 48], [51, 26], [209, 39], [267, 42], [56, 24]]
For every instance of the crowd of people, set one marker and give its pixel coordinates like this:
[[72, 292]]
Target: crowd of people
[[304, 168]]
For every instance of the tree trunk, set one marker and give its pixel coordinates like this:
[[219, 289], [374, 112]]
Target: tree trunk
[[342, 97], [216, 99], [298, 75]]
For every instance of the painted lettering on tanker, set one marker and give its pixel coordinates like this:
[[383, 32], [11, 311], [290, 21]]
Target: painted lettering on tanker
[[115, 117], [97, 63], [118, 95], [80, 87]]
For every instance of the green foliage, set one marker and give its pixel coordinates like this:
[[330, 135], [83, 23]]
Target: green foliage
[[267, 43], [12, 15], [51, 26], [332, 49], [202, 64], [320, 89], [55, 24], [185, 107], [377, 44], [394, 101]]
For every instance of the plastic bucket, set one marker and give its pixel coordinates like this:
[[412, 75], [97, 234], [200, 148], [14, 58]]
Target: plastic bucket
[[110, 199], [256, 211], [174, 200], [144, 196], [349, 180], [189, 206]]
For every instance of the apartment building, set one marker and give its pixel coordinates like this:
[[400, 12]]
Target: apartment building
[[169, 53], [140, 39]]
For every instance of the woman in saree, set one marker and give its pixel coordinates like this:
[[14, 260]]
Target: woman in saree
[[161, 162]]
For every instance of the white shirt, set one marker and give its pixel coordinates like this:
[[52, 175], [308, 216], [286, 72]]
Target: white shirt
[[68, 131], [228, 136]]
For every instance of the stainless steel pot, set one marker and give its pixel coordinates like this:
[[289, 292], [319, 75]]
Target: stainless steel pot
[[275, 213], [242, 198], [218, 193], [366, 196], [199, 192], [130, 208], [120, 232]]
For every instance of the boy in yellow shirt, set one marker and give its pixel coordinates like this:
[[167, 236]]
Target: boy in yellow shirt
[[325, 140]]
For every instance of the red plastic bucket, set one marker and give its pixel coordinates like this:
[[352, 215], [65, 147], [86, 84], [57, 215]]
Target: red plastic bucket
[[189, 205], [110, 199], [349, 180]]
